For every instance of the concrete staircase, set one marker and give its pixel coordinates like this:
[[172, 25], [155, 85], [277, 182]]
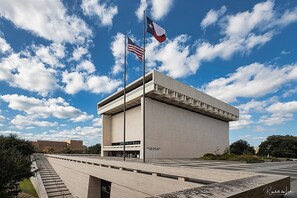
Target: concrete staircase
[[54, 186]]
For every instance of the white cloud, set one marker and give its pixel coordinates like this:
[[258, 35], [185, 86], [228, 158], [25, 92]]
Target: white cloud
[[2, 118], [242, 23], [142, 6], [102, 84], [22, 122], [78, 53], [178, 66], [97, 122], [87, 66], [89, 135], [241, 33], [212, 17], [50, 54], [283, 108], [290, 92], [288, 17], [275, 119], [252, 105], [284, 52], [260, 129], [27, 73], [257, 40], [45, 108], [78, 81], [82, 118], [101, 10], [244, 121], [8, 132], [247, 110], [118, 49], [246, 80], [74, 82], [158, 9], [4, 46], [280, 112], [47, 19]]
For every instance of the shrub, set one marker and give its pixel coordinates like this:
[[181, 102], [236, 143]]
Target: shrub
[[250, 159], [209, 156], [233, 157], [275, 160], [241, 147]]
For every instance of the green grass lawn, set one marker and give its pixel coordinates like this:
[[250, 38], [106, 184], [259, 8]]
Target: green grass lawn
[[27, 187]]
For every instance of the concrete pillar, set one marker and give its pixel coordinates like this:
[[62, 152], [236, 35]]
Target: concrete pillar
[[94, 190], [142, 138], [106, 133]]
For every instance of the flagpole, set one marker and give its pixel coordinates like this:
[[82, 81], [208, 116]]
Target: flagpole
[[125, 74], [143, 82]]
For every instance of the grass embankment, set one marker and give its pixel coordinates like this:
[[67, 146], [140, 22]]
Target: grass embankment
[[232, 157], [27, 187]]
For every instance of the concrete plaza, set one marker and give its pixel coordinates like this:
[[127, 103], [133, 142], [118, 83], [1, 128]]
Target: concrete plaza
[[287, 168]]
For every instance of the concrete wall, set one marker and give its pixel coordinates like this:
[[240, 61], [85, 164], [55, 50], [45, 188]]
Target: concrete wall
[[37, 182], [173, 132], [125, 184], [106, 133], [79, 184], [57, 146], [133, 125], [75, 145]]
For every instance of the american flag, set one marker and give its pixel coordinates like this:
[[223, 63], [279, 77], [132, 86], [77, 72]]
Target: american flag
[[138, 51]]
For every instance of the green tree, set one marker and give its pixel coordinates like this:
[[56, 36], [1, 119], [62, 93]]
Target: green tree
[[279, 146], [95, 149], [241, 147], [15, 164]]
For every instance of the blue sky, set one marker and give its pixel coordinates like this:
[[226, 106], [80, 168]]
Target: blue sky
[[59, 58]]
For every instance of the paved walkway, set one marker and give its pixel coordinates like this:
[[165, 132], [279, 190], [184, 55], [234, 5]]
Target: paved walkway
[[288, 168], [54, 186]]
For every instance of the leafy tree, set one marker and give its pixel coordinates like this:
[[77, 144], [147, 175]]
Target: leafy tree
[[95, 149], [279, 146], [15, 164], [241, 147]]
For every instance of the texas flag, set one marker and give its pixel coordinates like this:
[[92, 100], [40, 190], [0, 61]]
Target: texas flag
[[155, 30]]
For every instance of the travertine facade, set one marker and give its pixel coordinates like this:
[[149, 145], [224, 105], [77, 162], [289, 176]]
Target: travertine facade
[[180, 121], [55, 146]]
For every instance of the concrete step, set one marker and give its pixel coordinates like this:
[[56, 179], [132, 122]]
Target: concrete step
[[56, 186], [58, 194], [56, 190], [48, 177], [64, 196], [53, 183], [51, 180]]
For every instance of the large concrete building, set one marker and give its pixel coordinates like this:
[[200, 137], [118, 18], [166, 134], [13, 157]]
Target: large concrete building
[[56, 146], [180, 121]]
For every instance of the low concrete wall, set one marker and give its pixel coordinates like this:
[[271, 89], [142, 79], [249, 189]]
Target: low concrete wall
[[76, 181], [76, 177], [37, 182], [264, 186]]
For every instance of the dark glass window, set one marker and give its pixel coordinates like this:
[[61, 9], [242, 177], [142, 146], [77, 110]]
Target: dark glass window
[[127, 143], [105, 188]]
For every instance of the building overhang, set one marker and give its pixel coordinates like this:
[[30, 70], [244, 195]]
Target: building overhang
[[168, 90]]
